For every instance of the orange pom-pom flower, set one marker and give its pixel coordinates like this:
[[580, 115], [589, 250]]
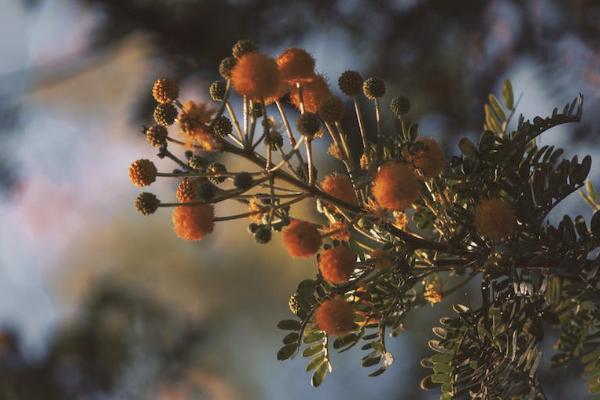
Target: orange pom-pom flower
[[335, 317], [193, 222], [296, 65], [395, 186], [337, 264], [340, 186], [494, 219], [313, 93], [256, 76], [302, 239]]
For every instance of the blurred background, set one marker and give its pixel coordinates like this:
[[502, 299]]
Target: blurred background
[[98, 302]]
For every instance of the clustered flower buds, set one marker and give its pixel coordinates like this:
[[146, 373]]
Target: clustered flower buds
[[385, 184]]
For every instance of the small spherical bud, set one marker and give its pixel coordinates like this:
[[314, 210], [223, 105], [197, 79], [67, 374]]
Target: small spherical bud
[[275, 139], [337, 264], [243, 181], [339, 186], [142, 172], [188, 154], [256, 76], [331, 109], [216, 169], [165, 114], [308, 124], [256, 109], [399, 106], [226, 66], [217, 90], [350, 83], [165, 90], [302, 239], [263, 235], [395, 186], [193, 222], [373, 88], [494, 219], [156, 135], [335, 317], [221, 126], [186, 190], [205, 191], [146, 203], [198, 163], [243, 47], [313, 93], [296, 65]]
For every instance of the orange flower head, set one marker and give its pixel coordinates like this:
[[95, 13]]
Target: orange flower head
[[193, 222], [395, 186], [381, 259], [337, 264], [302, 239], [340, 186], [338, 231], [335, 317], [432, 293], [142, 172], [186, 190], [296, 65], [494, 219], [282, 89], [194, 117], [430, 160], [256, 76], [313, 93]]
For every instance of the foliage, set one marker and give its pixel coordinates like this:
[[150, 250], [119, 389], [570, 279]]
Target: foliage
[[480, 216]]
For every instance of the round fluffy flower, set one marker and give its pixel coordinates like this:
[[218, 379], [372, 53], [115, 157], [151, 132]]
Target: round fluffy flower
[[336, 264], [194, 117], [494, 219], [256, 76], [335, 317], [430, 159], [296, 65], [193, 222], [395, 186], [308, 124], [302, 239], [313, 93], [335, 151], [186, 190], [256, 208], [339, 186], [142, 172]]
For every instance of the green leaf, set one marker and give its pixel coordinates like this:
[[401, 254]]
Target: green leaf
[[291, 337], [507, 95], [315, 362], [287, 351], [319, 375], [289, 325], [595, 224], [468, 148], [312, 350]]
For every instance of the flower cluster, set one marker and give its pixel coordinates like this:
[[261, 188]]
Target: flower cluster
[[398, 216]]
